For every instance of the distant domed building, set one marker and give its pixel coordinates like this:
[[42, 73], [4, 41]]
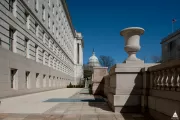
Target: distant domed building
[[93, 61]]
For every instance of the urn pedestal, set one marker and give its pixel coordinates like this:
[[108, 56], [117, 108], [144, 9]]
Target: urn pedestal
[[126, 78]]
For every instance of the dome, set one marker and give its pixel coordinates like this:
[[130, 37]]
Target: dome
[[93, 61]]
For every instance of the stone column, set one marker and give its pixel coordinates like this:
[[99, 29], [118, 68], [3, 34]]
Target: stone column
[[80, 54]]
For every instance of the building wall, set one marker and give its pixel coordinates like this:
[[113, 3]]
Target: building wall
[[171, 47], [47, 79], [42, 42]]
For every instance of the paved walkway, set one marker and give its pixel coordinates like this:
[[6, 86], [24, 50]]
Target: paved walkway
[[34, 103], [36, 107]]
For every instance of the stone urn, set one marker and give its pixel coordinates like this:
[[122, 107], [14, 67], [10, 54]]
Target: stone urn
[[132, 42]]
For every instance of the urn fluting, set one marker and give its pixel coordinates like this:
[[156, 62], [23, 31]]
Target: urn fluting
[[132, 41]]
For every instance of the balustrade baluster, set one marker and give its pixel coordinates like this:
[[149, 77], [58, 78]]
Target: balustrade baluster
[[158, 79], [165, 79], [169, 79], [154, 80], [174, 79], [162, 78], [178, 79]]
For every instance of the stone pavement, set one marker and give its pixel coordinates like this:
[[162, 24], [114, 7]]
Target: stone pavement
[[34, 103], [71, 110]]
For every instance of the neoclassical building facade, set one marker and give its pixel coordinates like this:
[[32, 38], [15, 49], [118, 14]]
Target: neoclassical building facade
[[39, 48], [171, 46]]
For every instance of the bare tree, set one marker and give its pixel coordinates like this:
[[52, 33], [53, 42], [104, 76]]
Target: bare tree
[[156, 59], [106, 61]]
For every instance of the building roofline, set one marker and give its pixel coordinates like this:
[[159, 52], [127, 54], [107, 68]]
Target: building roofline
[[70, 20], [170, 36], [68, 16]]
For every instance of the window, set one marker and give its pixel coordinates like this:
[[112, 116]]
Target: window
[[53, 9], [37, 80], [49, 3], [11, 5], [44, 37], [49, 81], [78, 53], [59, 4], [36, 29], [43, 13], [54, 63], [44, 80], [36, 5], [36, 53], [27, 79], [49, 60], [27, 19], [26, 46], [44, 57], [49, 21], [56, 33], [11, 39], [0, 41], [49, 44], [53, 28], [13, 78], [54, 81]]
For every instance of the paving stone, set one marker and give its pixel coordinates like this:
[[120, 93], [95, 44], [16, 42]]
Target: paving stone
[[3, 115], [53, 117], [71, 117], [15, 117], [106, 118], [35, 117], [89, 119]]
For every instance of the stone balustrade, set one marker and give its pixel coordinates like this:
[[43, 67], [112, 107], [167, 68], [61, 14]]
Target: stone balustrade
[[135, 86], [161, 89], [166, 76]]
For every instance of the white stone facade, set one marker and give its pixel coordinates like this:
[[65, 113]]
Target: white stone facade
[[37, 47]]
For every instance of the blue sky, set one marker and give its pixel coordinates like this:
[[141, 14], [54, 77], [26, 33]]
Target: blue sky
[[101, 21]]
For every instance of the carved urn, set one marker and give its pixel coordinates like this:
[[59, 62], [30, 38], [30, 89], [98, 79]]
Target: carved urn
[[132, 42]]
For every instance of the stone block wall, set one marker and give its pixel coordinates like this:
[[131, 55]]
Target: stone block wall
[[97, 80], [39, 78]]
